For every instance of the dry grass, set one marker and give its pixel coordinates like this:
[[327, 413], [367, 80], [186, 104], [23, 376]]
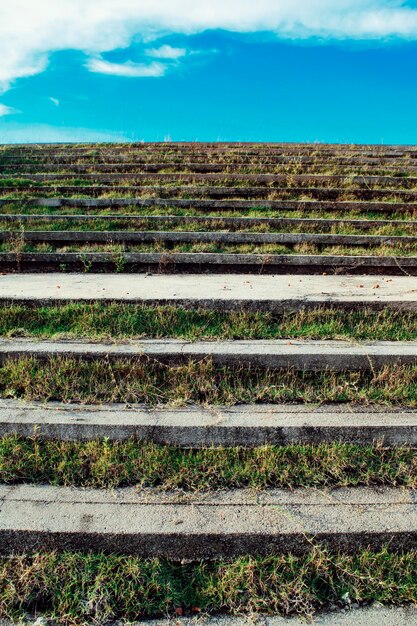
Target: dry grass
[[96, 588], [143, 381], [97, 320], [104, 464]]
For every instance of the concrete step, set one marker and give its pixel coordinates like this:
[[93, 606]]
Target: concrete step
[[232, 191], [305, 355], [246, 147], [309, 166], [215, 205], [223, 292], [211, 525], [200, 427], [187, 161], [367, 616], [196, 262], [235, 224], [376, 615], [60, 237], [228, 178]]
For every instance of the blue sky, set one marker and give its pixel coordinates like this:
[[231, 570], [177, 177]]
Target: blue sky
[[266, 71]]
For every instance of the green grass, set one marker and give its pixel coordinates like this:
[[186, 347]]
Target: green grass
[[229, 180], [363, 211], [97, 321], [18, 227], [142, 380], [285, 193], [75, 588], [19, 246], [106, 464], [405, 170]]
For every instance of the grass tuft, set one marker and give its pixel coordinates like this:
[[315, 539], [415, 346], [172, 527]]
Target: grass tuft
[[141, 380], [74, 588], [104, 464], [97, 320]]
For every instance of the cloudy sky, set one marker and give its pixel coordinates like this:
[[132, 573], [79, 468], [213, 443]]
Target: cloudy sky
[[290, 70]]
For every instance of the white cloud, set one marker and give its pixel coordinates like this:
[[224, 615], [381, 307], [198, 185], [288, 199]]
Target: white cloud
[[166, 52], [5, 110], [30, 31], [55, 101], [44, 133], [128, 69]]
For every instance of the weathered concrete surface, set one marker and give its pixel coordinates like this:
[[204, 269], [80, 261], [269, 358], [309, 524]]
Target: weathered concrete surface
[[267, 165], [217, 220], [373, 616], [256, 179], [177, 526], [217, 192], [299, 354], [317, 165], [213, 204], [276, 293], [219, 147], [195, 427], [272, 180], [196, 262], [152, 236]]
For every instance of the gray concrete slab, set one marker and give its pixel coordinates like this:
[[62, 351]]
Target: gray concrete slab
[[213, 205], [309, 165], [199, 427], [212, 148], [267, 165], [180, 190], [276, 293], [299, 354], [234, 223], [239, 238], [229, 178], [223, 524], [195, 262], [376, 615], [369, 616], [372, 616]]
